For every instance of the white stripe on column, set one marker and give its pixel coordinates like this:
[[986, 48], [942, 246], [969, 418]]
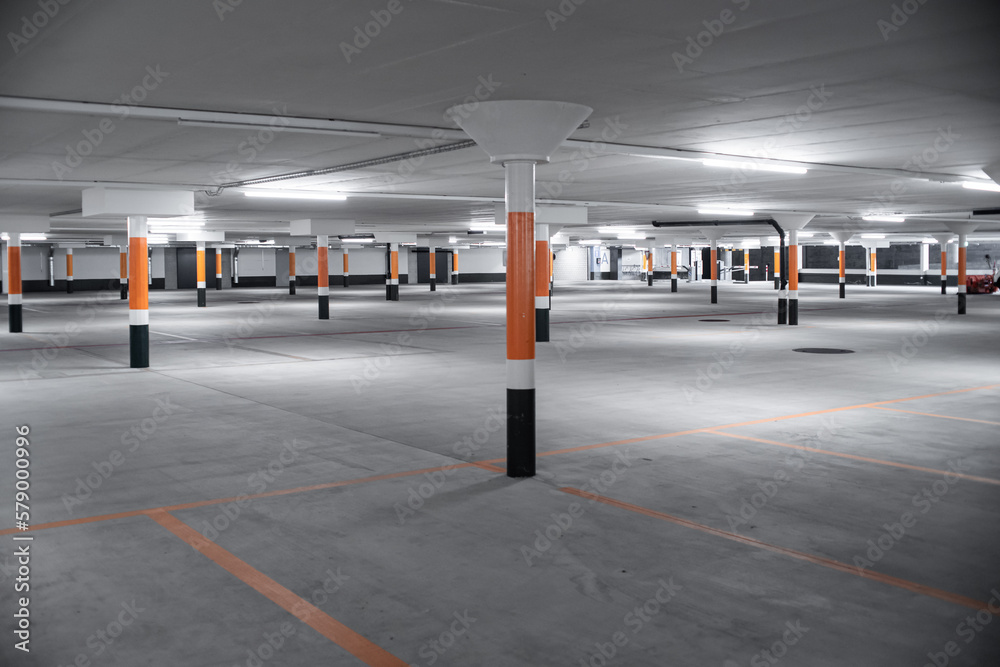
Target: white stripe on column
[[520, 373], [14, 299], [323, 291], [542, 302], [138, 317]]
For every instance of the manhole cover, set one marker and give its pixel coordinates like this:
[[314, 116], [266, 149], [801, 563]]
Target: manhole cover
[[822, 350], [248, 302], [713, 320]]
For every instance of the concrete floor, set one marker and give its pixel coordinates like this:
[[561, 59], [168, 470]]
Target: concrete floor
[[739, 489]]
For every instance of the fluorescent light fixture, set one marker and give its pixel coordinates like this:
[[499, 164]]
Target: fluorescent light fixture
[[5, 237], [357, 240], [452, 239], [929, 241], [724, 211], [981, 185], [873, 236], [591, 242], [33, 237], [275, 126], [754, 166], [806, 235], [486, 227], [621, 229], [158, 239], [883, 218], [291, 194], [631, 235], [832, 242]]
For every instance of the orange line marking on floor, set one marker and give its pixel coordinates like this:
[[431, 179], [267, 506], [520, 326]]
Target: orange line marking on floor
[[799, 555], [314, 617], [931, 414], [855, 457]]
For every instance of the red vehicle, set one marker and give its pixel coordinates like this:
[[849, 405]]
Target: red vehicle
[[984, 283]]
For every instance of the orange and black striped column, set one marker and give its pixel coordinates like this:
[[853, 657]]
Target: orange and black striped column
[[432, 267], [123, 270], [944, 267], [291, 269], [746, 266], [454, 266], [842, 269], [347, 271], [777, 267], [202, 286], [69, 270], [673, 267], [541, 283], [323, 275], [714, 258], [520, 177], [793, 276], [392, 281], [872, 266], [14, 296], [963, 244], [649, 268], [218, 268], [138, 298]]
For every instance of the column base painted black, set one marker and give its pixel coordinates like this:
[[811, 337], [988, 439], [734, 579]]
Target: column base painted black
[[291, 287], [14, 318], [782, 311], [944, 286], [218, 282], [394, 292], [347, 281], [138, 345], [324, 307], [793, 311], [649, 279], [69, 287], [715, 294], [388, 292], [673, 284], [454, 279], [541, 325], [520, 432], [961, 303], [434, 285], [124, 291], [202, 297], [843, 291], [777, 282]]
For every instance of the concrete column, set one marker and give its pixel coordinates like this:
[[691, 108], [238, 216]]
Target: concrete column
[[432, 264], [746, 265], [69, 270], [842, 237], [649, 267], [347, 267], [292, 280], [673, 266], [13, 284], [872, 265], [713, 234], [202, 283], [943, 239], [793, 277], [123, 270], [454, 266], [323, 275], [541, 280], [218, 268], [925, 259], [963, 246], [777, 267], [138, 298], [727, 262], [392, 282]]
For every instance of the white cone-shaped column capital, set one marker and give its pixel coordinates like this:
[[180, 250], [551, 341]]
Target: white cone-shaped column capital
[[792, 220], [712, 233], [965, 228], [841, 236], [943, 238], [520, 130]]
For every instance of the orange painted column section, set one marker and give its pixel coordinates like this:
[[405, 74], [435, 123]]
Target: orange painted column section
[[69, 270], [962, 288], [542, 262], [138, 296], [202, 282], [123, 270], [323, 275], [944, 268], [14, 295]]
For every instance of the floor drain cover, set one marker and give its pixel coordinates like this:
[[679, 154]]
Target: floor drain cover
[[713, 320], [823, 350]]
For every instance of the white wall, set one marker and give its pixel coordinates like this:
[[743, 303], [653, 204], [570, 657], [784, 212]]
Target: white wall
[[481, 260], [257, 262], [571, 264]]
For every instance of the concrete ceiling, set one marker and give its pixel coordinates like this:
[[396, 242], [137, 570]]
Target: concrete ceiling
[[874, 100]]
